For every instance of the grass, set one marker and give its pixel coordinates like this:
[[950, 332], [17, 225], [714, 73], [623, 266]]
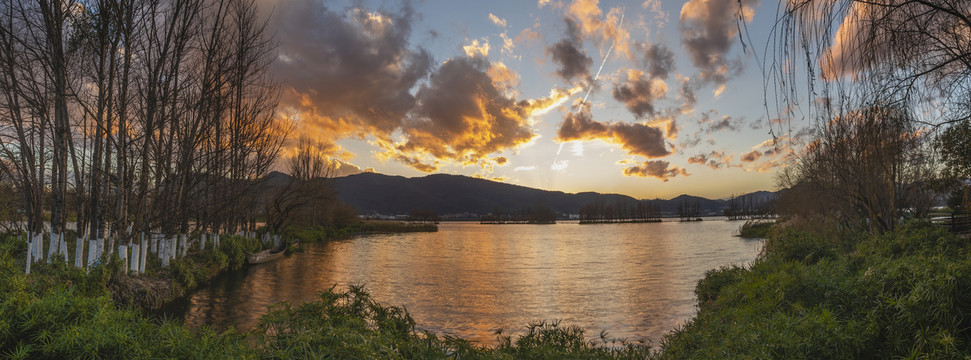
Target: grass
[[755, 228]]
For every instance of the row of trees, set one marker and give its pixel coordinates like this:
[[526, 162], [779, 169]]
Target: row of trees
[[128, 116], [621, 211], [689, 209], [890, 91], [749, 207], [538, 214]]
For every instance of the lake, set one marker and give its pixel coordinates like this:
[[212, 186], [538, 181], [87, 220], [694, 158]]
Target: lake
[[635, 281]]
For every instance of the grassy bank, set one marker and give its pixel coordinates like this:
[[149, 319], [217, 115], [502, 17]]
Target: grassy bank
[[902, 294], [60, 312]]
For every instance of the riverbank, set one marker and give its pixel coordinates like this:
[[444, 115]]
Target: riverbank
[[906, 293], [61, 312]]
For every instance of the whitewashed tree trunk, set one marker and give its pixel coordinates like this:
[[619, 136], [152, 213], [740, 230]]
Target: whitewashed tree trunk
[[30, 253], [202, 241], [99, 253], [92, 252], [144, 255], [79, 253], [39, 247], [52, 250], [64, 248], [164, 252], [123, 255], [183, 245], [217, 241], [135, 256]]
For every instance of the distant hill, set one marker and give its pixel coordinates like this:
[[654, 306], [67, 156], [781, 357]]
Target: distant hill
[[373, 193]]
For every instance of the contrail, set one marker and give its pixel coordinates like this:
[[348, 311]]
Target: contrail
[[596, 76], [604, 62]]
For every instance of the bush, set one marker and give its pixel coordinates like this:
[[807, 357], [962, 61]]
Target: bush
[[906, 293], [796, 245], [755, 229]]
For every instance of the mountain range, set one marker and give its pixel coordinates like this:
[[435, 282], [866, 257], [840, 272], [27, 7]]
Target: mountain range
[[373, 193]]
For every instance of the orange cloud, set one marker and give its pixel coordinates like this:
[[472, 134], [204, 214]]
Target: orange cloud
[[637, 139], [715, 159], [657, 169], [604, 30], [463, 117], [354, 74], [639, 93]]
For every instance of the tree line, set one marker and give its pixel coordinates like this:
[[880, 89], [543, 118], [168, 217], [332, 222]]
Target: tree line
[[600, 211], [130, 116]]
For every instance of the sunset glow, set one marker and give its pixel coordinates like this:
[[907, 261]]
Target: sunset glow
[[652, 100]]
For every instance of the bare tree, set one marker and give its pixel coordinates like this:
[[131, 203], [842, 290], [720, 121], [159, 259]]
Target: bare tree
[[870, 165]]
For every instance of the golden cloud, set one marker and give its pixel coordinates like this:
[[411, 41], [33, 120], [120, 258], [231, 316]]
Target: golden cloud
[[657, 169], [637, 139]]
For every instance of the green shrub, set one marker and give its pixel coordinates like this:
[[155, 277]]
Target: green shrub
[[799, 246], [755, 229], [902, 294]]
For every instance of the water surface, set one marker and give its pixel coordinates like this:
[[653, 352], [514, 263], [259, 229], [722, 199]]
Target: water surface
[[632, 280]]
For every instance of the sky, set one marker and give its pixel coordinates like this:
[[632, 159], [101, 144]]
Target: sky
[[650, 99]]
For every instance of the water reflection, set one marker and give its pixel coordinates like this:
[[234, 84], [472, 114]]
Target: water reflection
[[633, 280]]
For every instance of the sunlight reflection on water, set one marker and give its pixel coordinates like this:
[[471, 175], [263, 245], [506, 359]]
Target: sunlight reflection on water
[[632, 280]]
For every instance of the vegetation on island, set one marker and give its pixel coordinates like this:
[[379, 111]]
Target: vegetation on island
[[537, 214], [598, 212]]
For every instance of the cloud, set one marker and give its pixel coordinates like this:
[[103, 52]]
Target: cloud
[[715, 159], [726, 123], [560, 165], [657, 169], [659, 61], [686, 90], [573, 62], [342, 168], [500, 22], [751, 156], [639, 92], [708, 29], [476, 48], [508, 45], [463, 116], [524, 168], [772, 153], [844, 56], [603, 30], [637, 139], [346, 74], [353, 73]]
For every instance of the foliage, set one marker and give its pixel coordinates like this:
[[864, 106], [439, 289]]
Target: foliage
[[59, 312], [954, 145], [906, 293], [755, 229], [352, 325]]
